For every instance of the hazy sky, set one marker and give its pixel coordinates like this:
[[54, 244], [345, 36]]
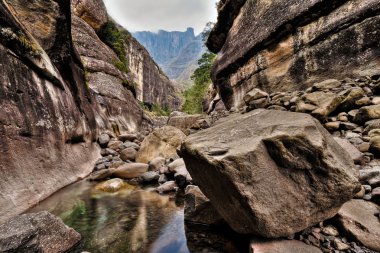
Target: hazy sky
[[171, 15]]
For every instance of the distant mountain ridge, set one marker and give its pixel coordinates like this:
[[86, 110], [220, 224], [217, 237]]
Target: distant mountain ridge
[[175, 52]]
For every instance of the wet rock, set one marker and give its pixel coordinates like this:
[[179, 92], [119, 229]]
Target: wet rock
[[354, 153], [130, 170], [128, 154], [281, 246], [260, 177], [37, 232], [162, 142], [103, 140], [198, 207], [112, 185], [357, 219], [149, 177], [100, 175], [167, 187]]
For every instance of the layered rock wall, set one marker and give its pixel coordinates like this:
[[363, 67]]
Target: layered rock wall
[[59, 87], [47, 116], [290, 45]]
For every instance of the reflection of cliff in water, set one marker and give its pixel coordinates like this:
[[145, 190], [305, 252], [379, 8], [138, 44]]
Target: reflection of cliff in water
[[132, 220]]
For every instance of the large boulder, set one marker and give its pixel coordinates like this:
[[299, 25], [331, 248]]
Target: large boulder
[[37, 232], [357, 218], [162, 142], [185, 122], [130, 170], [271, 173]]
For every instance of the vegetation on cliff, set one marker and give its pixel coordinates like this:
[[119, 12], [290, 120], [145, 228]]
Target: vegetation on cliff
[[114, 37], [194, 95]]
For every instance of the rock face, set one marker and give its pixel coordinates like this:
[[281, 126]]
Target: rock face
[[303, 42], [176, 52], [37, 232], [152, 85], [270, 173], [59, 88], [47, 118]]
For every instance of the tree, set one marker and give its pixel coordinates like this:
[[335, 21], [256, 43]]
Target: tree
[[202, 79]]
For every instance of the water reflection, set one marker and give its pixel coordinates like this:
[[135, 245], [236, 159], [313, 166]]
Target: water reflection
[[131, 220]]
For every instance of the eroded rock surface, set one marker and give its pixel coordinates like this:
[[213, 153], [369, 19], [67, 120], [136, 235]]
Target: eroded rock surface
[[273, 173], [290, 45], [37, 232]]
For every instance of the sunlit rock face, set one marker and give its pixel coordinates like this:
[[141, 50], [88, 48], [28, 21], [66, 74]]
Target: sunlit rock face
[[287, 46]]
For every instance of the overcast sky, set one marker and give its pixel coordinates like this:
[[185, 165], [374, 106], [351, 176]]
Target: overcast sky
[[171, 15]]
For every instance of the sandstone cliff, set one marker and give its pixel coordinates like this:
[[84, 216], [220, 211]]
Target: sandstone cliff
[[59, 88], [285, 46]]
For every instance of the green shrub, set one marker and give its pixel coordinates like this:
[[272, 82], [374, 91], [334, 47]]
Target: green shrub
[[201, 77], [115, 38]]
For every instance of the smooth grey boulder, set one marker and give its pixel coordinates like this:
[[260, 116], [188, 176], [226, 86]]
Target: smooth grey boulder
[[271, 173], [37, 232]]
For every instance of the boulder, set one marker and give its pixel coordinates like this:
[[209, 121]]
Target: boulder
[[184, 122], [37, 232], [367, 113], [354, 153], [321, 104], [198, 207], [167, 187], [100, 175], [112, 185], [357, 219], [127, 137], [130, 170], [350, 98], [374, 146], [115, 145], [327, 85], [157, 163], [271, 173], [281, 246], [149, 177], [376, 195], [128, 154], [254, 95], [103, 140], [162, 142]]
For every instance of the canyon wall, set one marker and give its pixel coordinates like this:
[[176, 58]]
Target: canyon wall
[[175, 52], [59, 88], [290, 45]]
